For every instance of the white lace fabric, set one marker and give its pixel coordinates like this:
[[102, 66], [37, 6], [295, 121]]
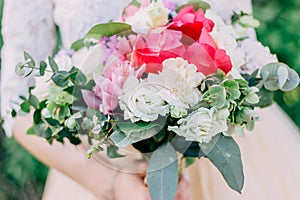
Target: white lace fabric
[[29, 25]]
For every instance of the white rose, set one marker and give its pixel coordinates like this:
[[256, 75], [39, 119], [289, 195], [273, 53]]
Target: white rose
[[142, 100], [202, 124], [180, 81], [153, 16]]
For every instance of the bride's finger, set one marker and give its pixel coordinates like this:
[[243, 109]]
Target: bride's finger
[[184, 191]]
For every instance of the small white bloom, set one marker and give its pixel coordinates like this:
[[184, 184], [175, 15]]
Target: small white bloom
[[257, 55], [142, 100], [153, 16], [180, 81], [225, 37], [178, 112], [202, 124]]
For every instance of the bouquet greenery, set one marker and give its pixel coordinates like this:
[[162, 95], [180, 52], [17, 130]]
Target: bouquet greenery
[[176, 83]]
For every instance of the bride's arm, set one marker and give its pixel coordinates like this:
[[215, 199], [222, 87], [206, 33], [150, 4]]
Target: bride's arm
[[28, 26]]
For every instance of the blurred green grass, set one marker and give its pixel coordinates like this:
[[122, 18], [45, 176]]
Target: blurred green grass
[[22, 177]]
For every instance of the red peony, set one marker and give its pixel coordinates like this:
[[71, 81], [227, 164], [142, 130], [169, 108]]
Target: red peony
[[191, 23]]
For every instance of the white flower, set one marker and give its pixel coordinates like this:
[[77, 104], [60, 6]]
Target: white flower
[[180, 81], [89, 60], [225, 37], [153, 16], [202, 124], [257, 55], [177, 112], [142, 100]]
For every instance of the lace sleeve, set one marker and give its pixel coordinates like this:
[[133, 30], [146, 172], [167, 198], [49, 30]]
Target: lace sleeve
[[27, 26], [76, 17]]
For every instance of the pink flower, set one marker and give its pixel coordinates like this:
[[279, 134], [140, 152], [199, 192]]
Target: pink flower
[[207, 59], [109, 87], [201, 49], [157, 47], [131, 9], [191, 24]]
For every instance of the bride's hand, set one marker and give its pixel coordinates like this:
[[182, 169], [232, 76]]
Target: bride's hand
[[131, 186]]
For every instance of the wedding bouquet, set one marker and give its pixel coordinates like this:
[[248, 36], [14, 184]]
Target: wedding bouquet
[[176, 83]]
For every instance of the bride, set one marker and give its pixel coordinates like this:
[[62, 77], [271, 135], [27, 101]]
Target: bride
[[270, 154]]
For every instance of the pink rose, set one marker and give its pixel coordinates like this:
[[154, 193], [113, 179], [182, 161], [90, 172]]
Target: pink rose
[[191, 24]]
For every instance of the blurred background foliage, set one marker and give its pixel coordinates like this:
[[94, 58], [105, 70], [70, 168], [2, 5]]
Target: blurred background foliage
[[279, 29], [22, 177]]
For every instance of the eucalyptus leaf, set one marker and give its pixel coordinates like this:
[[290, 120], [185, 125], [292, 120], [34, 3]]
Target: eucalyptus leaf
[[77, 76], [233, 89], [187, 148], [129, 133], [43, 66], [53, 64], [112, 152], [283, 74], [197, 4], [226, 157], [275, 75], [292, 81], [207, 147], [33, 100], [25, 106], [78, 45], [108, 29], [19, 70], [28, 59], [215, 96], [265, 98], [162, 173], [60, 78]]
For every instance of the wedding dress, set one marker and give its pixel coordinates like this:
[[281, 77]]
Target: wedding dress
[[270, 154]]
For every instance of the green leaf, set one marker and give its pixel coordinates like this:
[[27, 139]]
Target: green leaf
[[265, 98], [37, 117], [197, 4], [94, 149], [108, 29], [112, 152], [60, 78], [30, 131], [233, 89], [33, 100], [278, 76], [292, 81], [187, 148], [77, 76], [78, 45], [13, 113], [25, 107], [215, 96], [53, 64], [189, 161], [226, 157], [206, 148], [27, 58], [43, 66], [162, 173], [19, 70], [129, 133]]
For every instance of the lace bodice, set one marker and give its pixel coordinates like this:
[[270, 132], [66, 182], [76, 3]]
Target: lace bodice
[[33, 30]]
